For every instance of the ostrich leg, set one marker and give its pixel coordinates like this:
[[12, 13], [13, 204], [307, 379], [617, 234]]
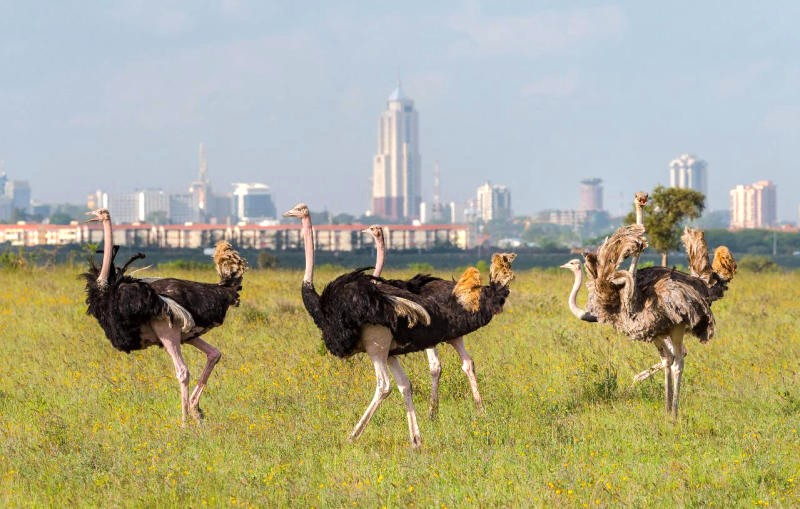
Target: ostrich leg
[[404, 385], [376, 342], [468, 366], [663, 351], [676, 368], [212, 358], [170, 337], [436, 371]]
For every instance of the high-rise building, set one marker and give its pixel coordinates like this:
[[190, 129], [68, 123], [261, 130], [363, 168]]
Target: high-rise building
[[19, 192], [688, 172], [200, 190], [252, 203], [494, 202], [591, 195], [145, 205], [754, 205], [396, 177]]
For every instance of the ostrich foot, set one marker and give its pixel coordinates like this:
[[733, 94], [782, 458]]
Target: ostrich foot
[[433, 409], [416, 442], [197, 413]]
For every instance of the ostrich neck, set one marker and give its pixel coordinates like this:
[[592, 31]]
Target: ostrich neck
[[573, 294], [639, 219], [308, 241], [380, 245], [640, 222], [108, 251]]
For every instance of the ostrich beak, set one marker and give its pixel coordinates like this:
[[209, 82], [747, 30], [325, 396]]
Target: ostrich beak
[[288, 213], [566, 266], [91, 219], [365, 230]]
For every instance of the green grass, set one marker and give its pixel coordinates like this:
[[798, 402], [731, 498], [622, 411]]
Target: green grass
[[84, 425]]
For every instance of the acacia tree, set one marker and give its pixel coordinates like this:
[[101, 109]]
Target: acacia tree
[[664, 215]]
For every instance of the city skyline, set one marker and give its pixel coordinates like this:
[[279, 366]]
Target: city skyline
[[513, 93]]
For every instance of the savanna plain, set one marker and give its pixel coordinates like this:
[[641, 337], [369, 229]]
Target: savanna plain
[[84, 425]]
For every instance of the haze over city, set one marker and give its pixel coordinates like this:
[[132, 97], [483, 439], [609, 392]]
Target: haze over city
[[537, 97]]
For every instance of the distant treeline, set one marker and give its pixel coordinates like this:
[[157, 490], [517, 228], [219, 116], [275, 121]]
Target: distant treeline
[[748, 243]]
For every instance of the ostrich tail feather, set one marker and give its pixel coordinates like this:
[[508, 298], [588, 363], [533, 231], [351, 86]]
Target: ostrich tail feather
[[175, 310], [724, 264], [412, 311], [230, 265], [467, 290], [697, 253]]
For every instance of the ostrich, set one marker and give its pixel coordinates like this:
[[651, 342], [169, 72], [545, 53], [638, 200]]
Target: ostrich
[[442, 291], [657, 304], [357, 313], [136, 314]]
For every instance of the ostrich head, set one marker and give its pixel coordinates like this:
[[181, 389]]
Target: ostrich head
[[574, 265], [299, 211], [99, 215], [376, 230], [640, 199]]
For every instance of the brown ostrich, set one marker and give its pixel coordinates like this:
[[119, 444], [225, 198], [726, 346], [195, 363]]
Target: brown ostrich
[[136, 314], [654, 304], [435, 365]]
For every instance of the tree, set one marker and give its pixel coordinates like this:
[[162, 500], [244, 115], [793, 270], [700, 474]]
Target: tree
[[60, 218], [664, 215]]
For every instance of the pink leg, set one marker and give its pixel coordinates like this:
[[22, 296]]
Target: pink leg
[[404, 385], [212, 358], [171, 339], [376, 340], [468, 366], [436, 371]]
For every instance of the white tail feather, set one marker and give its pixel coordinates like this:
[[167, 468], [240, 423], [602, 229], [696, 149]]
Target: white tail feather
[[176, 310], [411, 310]]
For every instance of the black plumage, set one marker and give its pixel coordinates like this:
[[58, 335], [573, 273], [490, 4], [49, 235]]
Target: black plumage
[[449, 319], [348, 303], [137, 313]]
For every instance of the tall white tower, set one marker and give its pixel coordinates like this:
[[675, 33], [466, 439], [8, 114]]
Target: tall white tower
[[688, 172], [396, 177]]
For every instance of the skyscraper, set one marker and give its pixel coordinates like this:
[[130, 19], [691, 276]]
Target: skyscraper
[[494, 202], [754, 205], [396, 178], [688, 172], [591, 198]]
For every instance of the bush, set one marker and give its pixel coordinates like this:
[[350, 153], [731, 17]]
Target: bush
[[758, 263], [266, 260], [180, 264]]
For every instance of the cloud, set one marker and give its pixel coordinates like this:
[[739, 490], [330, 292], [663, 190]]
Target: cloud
[[542, 33]]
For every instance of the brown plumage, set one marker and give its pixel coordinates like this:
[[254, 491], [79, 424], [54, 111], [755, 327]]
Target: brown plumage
[[654, 304]]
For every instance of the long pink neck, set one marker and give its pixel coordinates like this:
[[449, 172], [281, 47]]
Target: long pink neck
[[380, 245], [639, 218], [308, 240], [108, 251]]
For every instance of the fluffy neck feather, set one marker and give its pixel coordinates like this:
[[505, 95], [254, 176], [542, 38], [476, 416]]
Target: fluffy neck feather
[[308, 241], [108, 251]]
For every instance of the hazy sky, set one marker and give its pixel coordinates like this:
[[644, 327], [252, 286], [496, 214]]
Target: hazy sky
[[534, 95]]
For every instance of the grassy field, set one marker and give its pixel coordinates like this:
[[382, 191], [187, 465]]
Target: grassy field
[[82, 424]]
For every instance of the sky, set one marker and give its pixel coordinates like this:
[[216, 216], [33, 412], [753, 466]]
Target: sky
[[535, 95]]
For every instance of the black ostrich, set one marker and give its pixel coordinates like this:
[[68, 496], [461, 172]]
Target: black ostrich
[[358, 313], [136, 313], [451, 320]]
